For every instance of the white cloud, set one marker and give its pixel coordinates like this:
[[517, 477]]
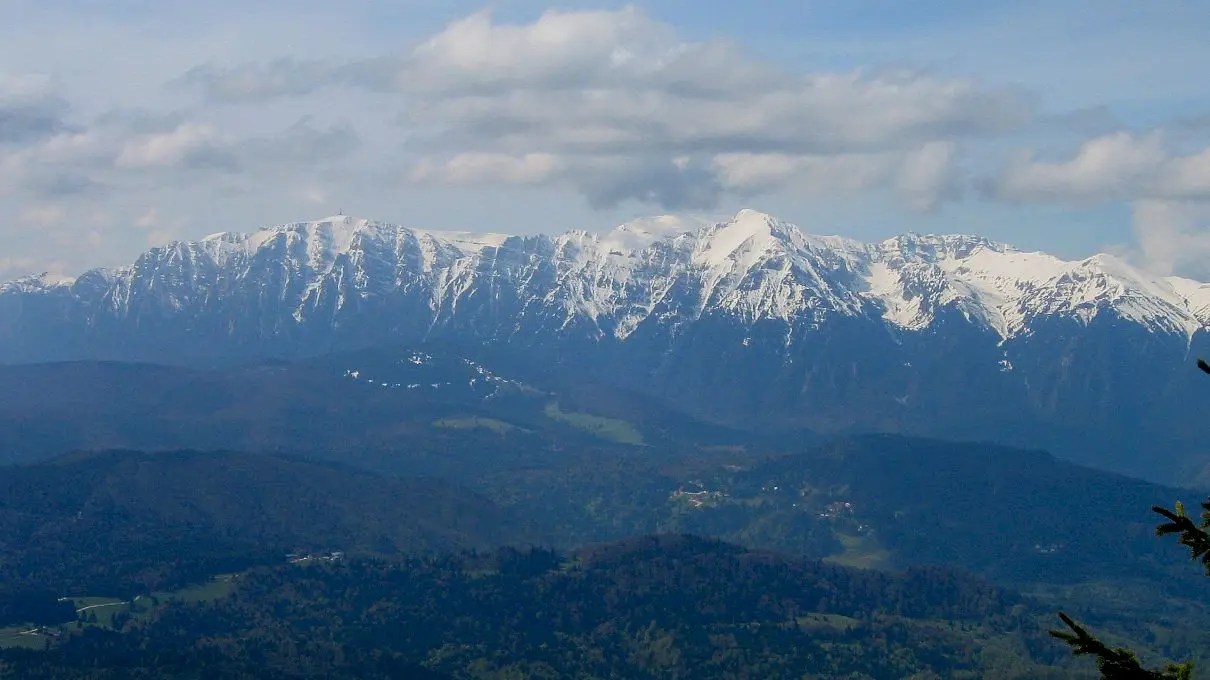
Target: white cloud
[[187, 141], [560, 49], [920, 177], [1169, 193], [1186, 176], [471, 169], [1116, 166], [814, 174], [1174, 236], [43, 215], [53, 166], [927, 176], [30, 108], [149, 219], [288, 110], [594, 93]]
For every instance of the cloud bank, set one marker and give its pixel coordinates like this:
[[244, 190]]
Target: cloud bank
[[614, 108]]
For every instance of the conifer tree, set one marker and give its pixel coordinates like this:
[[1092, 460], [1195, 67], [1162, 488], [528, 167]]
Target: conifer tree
[[1119, 663]]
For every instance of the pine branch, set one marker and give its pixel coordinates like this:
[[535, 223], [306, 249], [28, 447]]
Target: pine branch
[[1192, 535], [1117, 663]]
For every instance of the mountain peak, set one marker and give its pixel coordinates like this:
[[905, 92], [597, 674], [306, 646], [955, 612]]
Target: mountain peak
[[42, 281], [752, 265], [752, 214], [339, 218], [750, 231], [946, 246], [645, 231]]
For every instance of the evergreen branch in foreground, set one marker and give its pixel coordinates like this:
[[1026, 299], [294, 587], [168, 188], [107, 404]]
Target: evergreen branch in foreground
[[1117, 663]]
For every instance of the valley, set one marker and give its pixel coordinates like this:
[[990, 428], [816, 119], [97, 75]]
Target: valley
[[465, 467], [523, 469]]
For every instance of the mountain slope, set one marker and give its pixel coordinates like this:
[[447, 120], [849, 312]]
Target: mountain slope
[[431, 410], [884, 501], [747, 322], [123, 522]]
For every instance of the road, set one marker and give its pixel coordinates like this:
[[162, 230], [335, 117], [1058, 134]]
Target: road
[[94, 606]]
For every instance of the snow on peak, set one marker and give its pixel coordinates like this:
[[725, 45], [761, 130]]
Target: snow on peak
[[915, 277], [938, 246], [644, 232], [38, 282], [54, 280], [466, 242], [752, 265], [748, 232], [330, 237]]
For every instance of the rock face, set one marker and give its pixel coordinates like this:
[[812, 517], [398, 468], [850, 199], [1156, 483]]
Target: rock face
[[749, 321]]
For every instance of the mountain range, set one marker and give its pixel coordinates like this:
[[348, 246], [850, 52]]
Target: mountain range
[[748, 322]]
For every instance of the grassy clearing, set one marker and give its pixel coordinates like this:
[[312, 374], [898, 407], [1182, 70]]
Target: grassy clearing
[[216, 589], [819, 622], [619, 431], [97, 602], [19, 637], [475, 422], [144, 606], [104, 609], [864, 552]]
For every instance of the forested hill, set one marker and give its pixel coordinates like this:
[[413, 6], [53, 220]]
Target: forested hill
[[653, 607], [122, 522]]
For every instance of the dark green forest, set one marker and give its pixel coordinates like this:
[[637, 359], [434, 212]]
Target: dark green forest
[[792, 601], [656, 607], [488, 530]]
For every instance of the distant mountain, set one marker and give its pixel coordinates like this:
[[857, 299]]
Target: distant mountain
[[749, 322], [586, 464], [401, 410]]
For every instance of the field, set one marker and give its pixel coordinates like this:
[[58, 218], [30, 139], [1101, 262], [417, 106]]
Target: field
[[21, 636], [860, 551], [101, 611], [475, 422], [612, 429]]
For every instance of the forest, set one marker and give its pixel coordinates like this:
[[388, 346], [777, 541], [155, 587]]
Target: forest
[[652, 607]]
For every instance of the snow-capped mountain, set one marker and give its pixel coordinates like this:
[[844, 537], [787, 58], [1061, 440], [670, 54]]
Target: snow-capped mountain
[[748, 319]]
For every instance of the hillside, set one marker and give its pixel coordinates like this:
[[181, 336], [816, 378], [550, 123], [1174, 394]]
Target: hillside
[[401, 410], [656, 607], [882, 501], [123, 522]]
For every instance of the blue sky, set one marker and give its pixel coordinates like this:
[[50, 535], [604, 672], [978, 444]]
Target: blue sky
[[1073, 127]]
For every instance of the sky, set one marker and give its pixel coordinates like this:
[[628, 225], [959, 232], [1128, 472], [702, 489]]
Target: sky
[[1069, 126]]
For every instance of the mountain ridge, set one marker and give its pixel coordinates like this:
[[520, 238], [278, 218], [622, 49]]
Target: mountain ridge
[[909, 275], [747, 321]]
